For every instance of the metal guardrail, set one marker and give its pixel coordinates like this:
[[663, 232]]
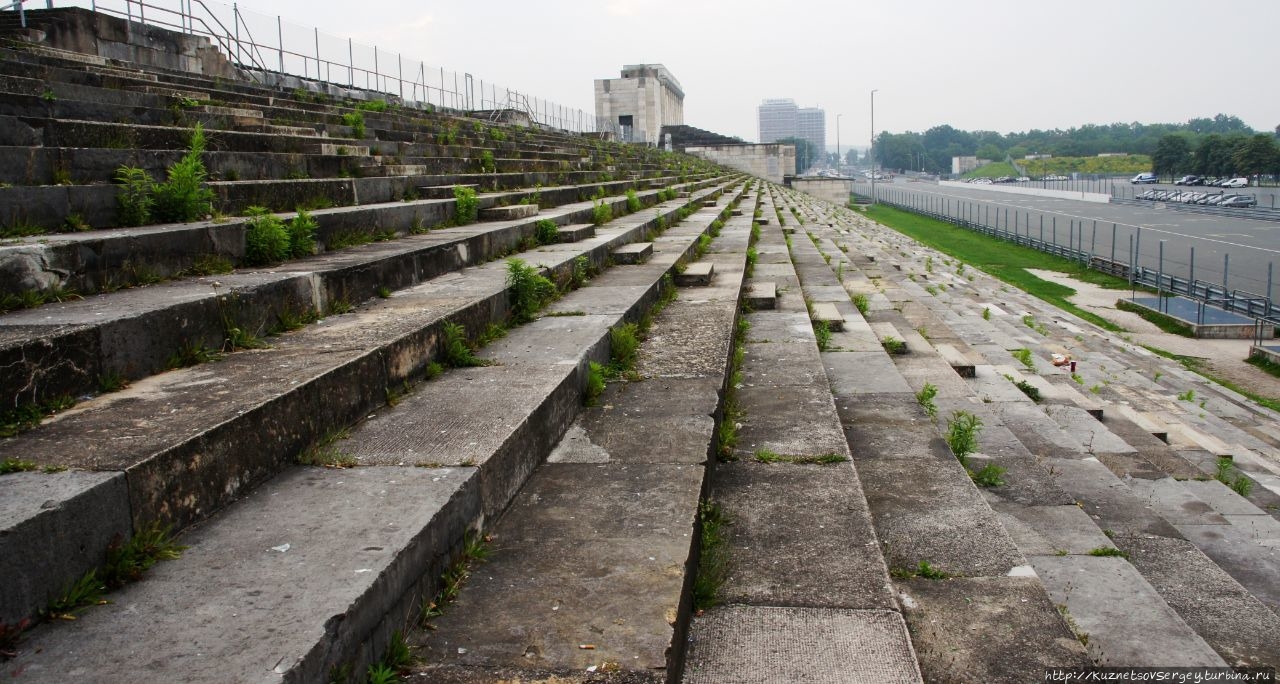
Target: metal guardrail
[[268, 44], [1243, 302]]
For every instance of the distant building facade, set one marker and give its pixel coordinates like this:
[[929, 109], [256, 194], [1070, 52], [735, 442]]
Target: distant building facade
[[643, 100], [961, 165], [781, 119]]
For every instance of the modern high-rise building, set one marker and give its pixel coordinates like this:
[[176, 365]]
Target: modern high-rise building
[[811, 125], [646, 98], [777, 120], [781, 119]]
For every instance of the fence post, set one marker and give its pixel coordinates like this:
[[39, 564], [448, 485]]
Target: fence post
[[1269, 271], [1093, 242], [1113, 242], [1226, 263], [1191, 275], [1131, 262], [1042, 228], [317, 32], [1160, 280], [351, 63]]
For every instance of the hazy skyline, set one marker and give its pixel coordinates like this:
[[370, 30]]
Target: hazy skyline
[[1003, 66]]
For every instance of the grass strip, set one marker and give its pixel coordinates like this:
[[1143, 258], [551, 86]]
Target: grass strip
[[1001, 259]]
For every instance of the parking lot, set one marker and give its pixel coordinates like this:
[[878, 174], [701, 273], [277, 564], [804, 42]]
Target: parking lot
[[1243, 249]]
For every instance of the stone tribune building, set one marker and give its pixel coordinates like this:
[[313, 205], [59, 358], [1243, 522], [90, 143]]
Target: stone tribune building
[[643, 100]]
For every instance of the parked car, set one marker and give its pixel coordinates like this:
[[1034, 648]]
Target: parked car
[[1144, 178], [1236, 183], [1217, 199], [1023, 179], [1239, 201], [1186, 180]]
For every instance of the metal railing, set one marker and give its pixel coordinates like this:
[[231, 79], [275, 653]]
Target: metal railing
[[1243, 302], [264, 45]]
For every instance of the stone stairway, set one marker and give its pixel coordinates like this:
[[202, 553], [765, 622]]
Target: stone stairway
[[1077, 487], [467, 463]]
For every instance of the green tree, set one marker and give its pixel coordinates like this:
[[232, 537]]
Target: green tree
[[1172, 155], [1259, 154]]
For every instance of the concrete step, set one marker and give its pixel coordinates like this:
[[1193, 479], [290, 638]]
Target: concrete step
[[826, 312], [695, 274], [634, 253], [592, 563], [520, 405], [299, 370], [509, 213], [577, 232], [762, 295], [1111, 602]]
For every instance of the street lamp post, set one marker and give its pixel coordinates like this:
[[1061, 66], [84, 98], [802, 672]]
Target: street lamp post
[[838, 142], [873, 146]]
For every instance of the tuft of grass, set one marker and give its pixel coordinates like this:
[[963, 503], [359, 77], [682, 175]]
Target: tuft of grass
[[302, 231], [767, 456], [1108, 551], [986, 313], [862, 303], [356, 121], [962, 434], [1189, 395], [595, 382], [325, 452], [925, 398], [713, 556], [822, 331], [894, 345], [1024, 356], [466, 205], [266, 239], [134, 202], [457, 351], [546, 232], [184, 196], [191, 354], [924, 569], [633, 202], [1226, 472], [209, 264], [14, 465], [601, 212], [529, 291], [990, 475]]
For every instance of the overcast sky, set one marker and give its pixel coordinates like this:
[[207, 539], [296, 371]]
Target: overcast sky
[[991, 65]]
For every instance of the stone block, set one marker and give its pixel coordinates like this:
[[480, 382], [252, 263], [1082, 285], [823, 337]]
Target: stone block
[[634, 253], [696, 274], [509, 213]]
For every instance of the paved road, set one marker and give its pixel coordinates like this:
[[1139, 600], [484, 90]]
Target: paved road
[[1252, 245]]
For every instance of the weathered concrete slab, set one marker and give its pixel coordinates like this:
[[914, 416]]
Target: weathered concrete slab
[[1111, 602], [799, 535], [509, 213], [747, 644], [779, 362], [1106, 498], [60, 523], [762, 295], [826, 312], [695, 341], [698, 273], [797, 420], [591, 554], [1230, 619], [860, 373], [779, 327], [633, 253], [929, 510], [576, 232], [1175, 503], [1049, 530], [353, 543], [622, 426], [1253, 565], [986, 629]]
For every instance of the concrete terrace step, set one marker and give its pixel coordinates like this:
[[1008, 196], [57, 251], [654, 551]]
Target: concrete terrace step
[[576, 232], [698, 273], [830, 578], [509, 213], [762, 295], [529, 397], [334, 372], [545, 594], [133, 333], [925, 508], [634, 253]]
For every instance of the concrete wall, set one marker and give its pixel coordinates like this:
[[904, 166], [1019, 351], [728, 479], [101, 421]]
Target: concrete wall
[[770, 162], [1101, 198], [834, 190], [80, 30]]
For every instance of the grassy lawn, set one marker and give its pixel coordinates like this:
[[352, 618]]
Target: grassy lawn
[[1004, 260], [1009, 263], [993, 170]]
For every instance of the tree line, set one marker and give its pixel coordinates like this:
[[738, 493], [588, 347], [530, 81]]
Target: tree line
[[1233, 154], [932, 150]]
